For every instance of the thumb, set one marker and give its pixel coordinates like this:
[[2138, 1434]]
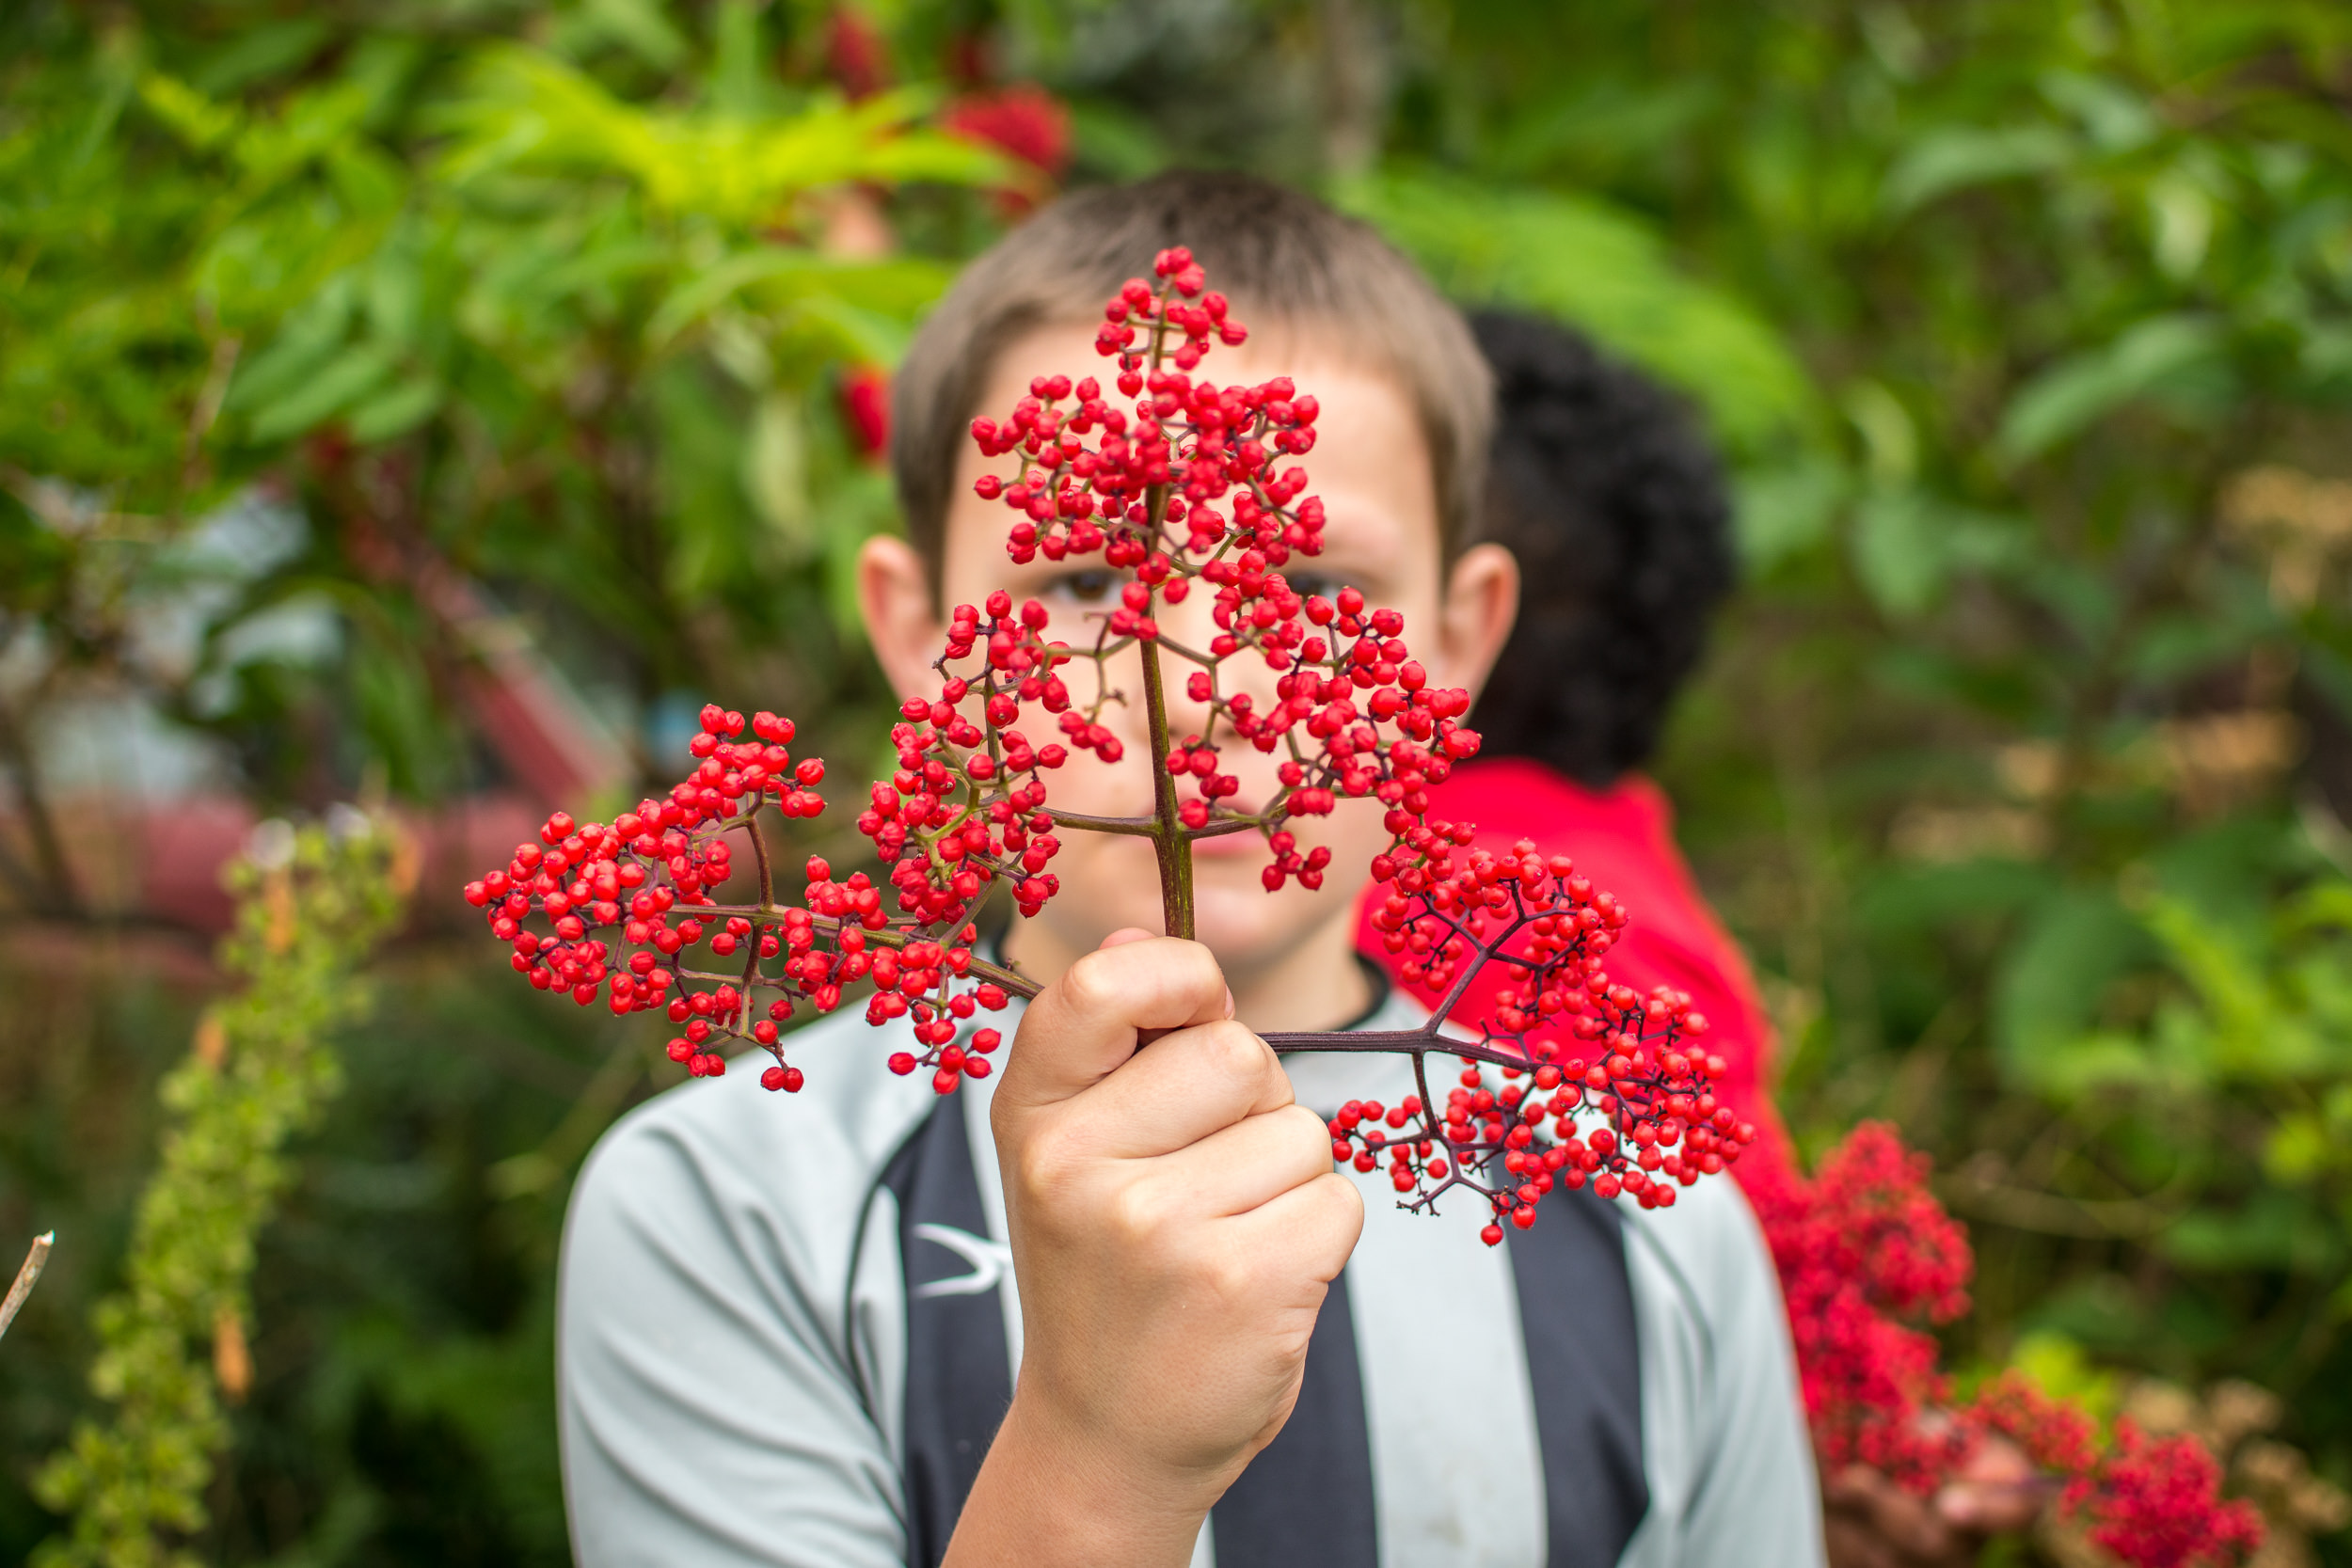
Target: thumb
[[1080, 1028]]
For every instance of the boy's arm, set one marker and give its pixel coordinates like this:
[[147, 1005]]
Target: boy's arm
[[1175, 1222], [706, 1416], [1754, 1502]]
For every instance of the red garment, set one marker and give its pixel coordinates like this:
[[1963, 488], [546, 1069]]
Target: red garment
[[1623, 839]]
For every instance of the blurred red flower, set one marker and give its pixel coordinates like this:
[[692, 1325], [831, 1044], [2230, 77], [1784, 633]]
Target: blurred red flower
[[1023, 121], [866, 409], [856, 54]]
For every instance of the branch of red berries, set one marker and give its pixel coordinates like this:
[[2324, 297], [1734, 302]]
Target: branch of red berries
[[1172, 484], [1866, 1256]]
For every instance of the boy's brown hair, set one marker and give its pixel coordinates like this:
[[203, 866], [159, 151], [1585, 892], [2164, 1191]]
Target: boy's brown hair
[[1284, 257]]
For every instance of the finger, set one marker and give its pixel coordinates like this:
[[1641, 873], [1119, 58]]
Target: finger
[[1856, 1488], [1313, 1226], [1988, 1507], [1249, 1164], [1910, 1524], [1904, 1524], [1189, 1084], [1083, 1025]]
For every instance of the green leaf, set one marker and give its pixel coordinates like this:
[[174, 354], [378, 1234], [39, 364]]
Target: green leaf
[[1909, 544], [775, 472], [638, 26], [259, 50], [195, 118], [1781, 512], [1953, 159], [2155, 356], [349, 376], [1896, 551], [396, 411], [2116, 119], [2051, 980], [308, 337], [1120, 142], [786, 280]]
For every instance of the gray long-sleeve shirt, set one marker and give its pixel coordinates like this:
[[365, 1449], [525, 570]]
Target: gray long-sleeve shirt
[[788, 1329]]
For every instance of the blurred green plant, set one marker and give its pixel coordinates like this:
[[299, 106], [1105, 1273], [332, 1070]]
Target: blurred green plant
[[1600, 268], [485, 311], [2224, 1108], [311, 905]]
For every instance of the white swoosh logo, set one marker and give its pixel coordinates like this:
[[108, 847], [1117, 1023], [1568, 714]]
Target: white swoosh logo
[[989, 1261]]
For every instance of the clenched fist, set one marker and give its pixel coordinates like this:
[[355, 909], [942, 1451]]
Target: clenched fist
[[1175, 1223]]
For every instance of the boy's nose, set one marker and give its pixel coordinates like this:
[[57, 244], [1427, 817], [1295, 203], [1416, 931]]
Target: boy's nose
[[1193, 624]]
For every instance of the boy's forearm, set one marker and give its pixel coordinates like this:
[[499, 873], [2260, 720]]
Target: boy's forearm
[[1047, 1497]]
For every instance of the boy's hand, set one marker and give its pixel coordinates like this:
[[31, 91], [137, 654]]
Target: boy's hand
[[1175, 1221]]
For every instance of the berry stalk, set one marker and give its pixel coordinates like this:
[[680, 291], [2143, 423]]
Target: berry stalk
[[1171, 842]]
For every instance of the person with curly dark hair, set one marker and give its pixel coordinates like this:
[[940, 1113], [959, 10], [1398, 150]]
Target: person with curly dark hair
[[1619, 514]]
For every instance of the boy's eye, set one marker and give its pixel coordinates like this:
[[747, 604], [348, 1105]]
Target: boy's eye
[[1307, 585], [1091, 586]]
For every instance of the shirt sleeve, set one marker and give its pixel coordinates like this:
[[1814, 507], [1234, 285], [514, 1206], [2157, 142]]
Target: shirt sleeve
[[710, 1411], [1753, 1500]]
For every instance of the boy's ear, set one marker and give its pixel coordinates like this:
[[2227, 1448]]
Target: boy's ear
[[1475, 616], [894, 597]]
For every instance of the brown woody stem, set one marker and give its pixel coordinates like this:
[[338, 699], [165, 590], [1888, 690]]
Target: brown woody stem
[[1169, 841], [759, 851], [1406, 1041]]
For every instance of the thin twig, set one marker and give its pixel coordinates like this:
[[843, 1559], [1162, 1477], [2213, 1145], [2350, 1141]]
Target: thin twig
[[40, 822], [27, 1277]]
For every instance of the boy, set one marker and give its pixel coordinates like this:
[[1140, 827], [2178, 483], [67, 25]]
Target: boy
[[1084, 1312]]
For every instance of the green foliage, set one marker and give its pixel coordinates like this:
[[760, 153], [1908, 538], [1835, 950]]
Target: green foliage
[[2021, 770], [509, 307], [311, 907], [2246, 1050], [1603, 270]]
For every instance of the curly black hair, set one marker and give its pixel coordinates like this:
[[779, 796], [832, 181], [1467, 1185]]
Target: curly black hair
[[1617, 511]]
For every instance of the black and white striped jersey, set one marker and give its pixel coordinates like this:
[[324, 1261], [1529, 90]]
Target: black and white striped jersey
[[788, 1329]]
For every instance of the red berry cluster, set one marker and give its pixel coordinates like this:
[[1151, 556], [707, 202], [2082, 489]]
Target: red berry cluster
[[1866, 1254], [1864, 1251], [2151, 1502], [1174, 484], [966, 806], [1597, 1082], [1185, 492], [652, 873]]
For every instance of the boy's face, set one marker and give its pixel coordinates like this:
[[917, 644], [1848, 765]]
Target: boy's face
[[1371, 467]]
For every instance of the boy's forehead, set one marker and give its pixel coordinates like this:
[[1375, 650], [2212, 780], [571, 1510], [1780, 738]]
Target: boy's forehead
[[1371, 465], [1302, 348]]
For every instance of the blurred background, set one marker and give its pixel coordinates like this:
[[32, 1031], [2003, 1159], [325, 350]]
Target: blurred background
[[431, 404]]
